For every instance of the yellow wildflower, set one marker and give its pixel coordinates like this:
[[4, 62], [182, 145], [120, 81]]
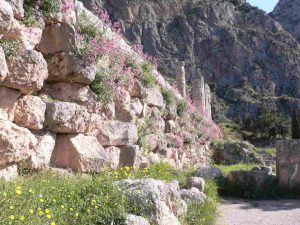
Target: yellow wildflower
[[31, 211], [49, 216], [11, 207], [30, 191], [71, 209], [77, 214], [53, 223], [4, 194], [18, 192], [41, 200], [62, 206], [22, 217], [41, 213], [47, 210], [12, 217], [18, 188]]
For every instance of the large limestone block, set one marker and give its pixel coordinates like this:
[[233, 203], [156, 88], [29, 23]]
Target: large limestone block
[[16, 143], [70, 92], [3, 66], [193, 194], [65, 117], [42, 151], [130, 156], [27, 72], [30, 112], [66, 67], [6, 17], [9, 173], [116, 133], [153, 97], [79, 153], [113, 156], [8, 101], [159, 200], [59, 37]]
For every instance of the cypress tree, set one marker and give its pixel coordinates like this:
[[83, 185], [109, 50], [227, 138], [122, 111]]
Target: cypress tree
[[296, 124]]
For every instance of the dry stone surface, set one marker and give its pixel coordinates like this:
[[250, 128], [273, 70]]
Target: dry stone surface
[[6, 17], [79, 153], [3, 65], [27, 72], [8, 101], [30, 112], [65, 117], [16, 143]]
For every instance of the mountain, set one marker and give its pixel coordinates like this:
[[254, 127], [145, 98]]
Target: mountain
[[287, 13], [248, 58]]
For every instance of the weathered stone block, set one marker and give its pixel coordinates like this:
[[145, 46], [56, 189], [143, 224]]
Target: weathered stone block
[[9, 172], [79, 153], [66, 67], [8, 101], [30, 112], [129, 156], [6, 17], [16, 143], [3, 65], [288, 165], [28, 71], [65, 117], [153, 97]]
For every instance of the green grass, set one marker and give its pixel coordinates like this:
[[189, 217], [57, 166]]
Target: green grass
[[241, 166], [147, 77], [168, 96], [206, 214], [10, 47], [271, 151], [48, 199]]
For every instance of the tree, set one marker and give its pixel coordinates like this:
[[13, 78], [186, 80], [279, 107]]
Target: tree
[[296, 124]]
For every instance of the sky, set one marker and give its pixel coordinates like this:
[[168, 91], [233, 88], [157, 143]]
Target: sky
[[267, 5]]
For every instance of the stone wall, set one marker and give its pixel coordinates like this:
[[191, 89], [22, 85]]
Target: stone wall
[[50, 117], [288, 165]]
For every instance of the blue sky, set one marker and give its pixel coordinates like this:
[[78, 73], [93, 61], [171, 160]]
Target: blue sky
[[267, 5]]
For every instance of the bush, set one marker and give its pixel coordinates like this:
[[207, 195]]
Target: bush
[[206, 214], [102, 88], [181, 107], [296, 124], [46, 7], [49, 199], [168, 96], [86, 28], [241, 166], [10, 48], [147, 77]]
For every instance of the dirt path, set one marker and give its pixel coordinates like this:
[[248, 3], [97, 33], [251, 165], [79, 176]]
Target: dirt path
[[271, 212]]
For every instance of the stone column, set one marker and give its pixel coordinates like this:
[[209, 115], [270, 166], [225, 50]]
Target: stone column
[[180, 78], [198, 93], [207, 100]]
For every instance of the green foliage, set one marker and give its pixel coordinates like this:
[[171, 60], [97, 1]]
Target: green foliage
[[101, 86], [46, 7], [271, 151], [163, 171], [10, 47], [296, 124], [168, 95], [87, 28], [207, 213], [241, 166], [147, 77], [50, 199], [181, 107]]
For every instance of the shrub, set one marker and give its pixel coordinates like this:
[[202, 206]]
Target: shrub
[[49, 199], [296, 124], [147, 77], [46, 7], [102, 88], [168, 96], [240, 166], [87, 28], [10, 47], [181, 107], [207, 213]]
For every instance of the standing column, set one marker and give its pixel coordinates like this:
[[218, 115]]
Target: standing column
[[198, 93], [207, 101], [180, 78]]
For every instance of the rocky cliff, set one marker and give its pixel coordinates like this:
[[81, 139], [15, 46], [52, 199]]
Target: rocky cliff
[[246, 56], [287, 14], [74, 95]]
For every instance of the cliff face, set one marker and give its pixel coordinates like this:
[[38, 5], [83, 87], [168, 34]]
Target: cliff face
[[287, 13], [238, 48]]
